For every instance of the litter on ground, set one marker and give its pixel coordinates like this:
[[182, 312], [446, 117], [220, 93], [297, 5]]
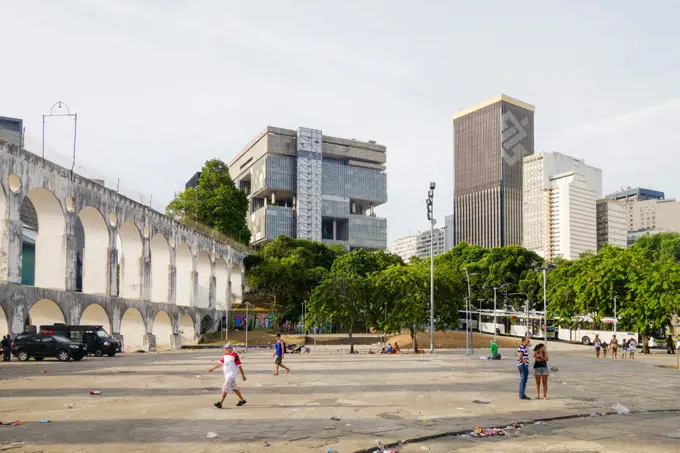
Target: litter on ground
[[211, 435], [621, 409], [480, 402]]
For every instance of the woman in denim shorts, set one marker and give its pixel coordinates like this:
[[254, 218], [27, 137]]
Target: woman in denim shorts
[[541, 370]]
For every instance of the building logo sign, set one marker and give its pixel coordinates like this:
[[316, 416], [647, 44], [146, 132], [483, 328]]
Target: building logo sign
[[513, 132]]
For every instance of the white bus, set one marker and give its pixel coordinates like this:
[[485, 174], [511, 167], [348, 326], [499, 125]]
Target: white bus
[[512, 323], [585, 328]]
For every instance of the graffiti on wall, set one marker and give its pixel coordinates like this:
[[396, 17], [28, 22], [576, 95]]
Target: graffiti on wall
[[255, 320]]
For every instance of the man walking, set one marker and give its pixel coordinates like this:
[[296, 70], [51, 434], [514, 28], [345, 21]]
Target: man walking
[[6, 345], [279, 353], [523, 367], [229, 363]]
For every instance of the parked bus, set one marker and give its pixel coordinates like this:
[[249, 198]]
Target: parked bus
[[512, 323], [584, 328]]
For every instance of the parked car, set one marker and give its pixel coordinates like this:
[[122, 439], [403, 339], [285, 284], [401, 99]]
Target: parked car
[[98, 341], [39, 346]]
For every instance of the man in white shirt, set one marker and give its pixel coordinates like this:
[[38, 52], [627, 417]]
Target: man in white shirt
[[230, 363]]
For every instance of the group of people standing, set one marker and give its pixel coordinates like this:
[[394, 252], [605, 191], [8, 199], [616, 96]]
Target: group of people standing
[[627, 347], [541, 369]]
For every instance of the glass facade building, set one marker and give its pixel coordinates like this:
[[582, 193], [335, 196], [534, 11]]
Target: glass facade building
[[304, 184], [490, 141]]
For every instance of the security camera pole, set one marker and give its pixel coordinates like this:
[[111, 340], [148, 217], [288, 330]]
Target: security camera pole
[[430, 217]]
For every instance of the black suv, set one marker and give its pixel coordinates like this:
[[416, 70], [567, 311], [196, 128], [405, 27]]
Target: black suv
[[39, 346]]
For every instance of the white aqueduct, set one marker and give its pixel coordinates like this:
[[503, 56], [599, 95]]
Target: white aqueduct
[[74, 251]]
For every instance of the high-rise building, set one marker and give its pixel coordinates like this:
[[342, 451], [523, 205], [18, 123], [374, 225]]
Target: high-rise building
[[636, 194], [612, 223], [418, 245], [490, 140], [304, 184], [448, 234], [539, 171], [572, 220]]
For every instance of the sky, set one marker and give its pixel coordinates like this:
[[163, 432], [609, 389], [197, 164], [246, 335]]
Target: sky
[[162, 86]]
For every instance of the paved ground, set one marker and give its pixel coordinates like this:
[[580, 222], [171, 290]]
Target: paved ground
[[163, 402]]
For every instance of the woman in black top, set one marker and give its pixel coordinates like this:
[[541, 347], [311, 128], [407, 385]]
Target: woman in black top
[[541, 370]]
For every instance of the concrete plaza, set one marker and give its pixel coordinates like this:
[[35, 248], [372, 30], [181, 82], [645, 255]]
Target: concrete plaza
[[163, 402]]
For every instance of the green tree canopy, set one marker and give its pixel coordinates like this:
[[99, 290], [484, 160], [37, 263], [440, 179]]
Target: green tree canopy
[[216, 203]]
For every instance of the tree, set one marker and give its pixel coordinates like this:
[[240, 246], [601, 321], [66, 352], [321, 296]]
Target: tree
[[287, 270], [404, 292], [216, 203], [338, 298]]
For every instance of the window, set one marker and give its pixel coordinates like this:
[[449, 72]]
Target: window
[[48, 340]]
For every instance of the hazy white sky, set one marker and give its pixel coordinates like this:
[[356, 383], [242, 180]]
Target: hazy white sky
[[161, 86]]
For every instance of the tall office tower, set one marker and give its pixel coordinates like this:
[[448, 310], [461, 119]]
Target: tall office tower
[[539, 169], [612, 224], [304, 184], [490, 140]]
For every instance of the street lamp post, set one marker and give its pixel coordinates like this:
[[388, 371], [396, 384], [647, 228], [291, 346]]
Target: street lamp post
[[545, 269], [495, 325], [615, 319], [526, 302], [430, 216], [468, 315]]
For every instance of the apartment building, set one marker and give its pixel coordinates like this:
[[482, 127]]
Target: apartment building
[[418, 245]]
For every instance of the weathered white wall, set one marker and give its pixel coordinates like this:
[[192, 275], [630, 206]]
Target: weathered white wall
[[162, 329], [184, 262], [45, 312], [95, 252], [133, 330], [204, 278], [4, 327], [3, 235], [236, 288], [130, 259], [160, 268], [221, 282], [187, 330], [50, 242], [95, 315]]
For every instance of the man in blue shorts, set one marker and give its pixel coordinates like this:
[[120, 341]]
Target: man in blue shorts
[[279, 353]]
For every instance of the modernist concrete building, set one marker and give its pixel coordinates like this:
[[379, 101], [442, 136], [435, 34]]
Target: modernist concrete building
[[73, 251], [418, 245], [612, 224], [304, 184], [490, 140], [540, 208]]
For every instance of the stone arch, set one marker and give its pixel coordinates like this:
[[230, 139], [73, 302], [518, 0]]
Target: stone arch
[[187, 329], [95, 315], [133, 330], [160, 268], [4, 323], [236, 284], [206, 324], [130, 261], [48, 237], [45, 312], [221, 283], [162, 330], [204, 269], [184, 276], [95, 254]]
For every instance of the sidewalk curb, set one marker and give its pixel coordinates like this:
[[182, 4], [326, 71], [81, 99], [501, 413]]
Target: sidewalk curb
[[526, 422]]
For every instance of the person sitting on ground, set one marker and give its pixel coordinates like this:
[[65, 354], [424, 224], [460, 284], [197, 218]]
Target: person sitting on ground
[[382, 350], [397, 350], [389, 348]]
